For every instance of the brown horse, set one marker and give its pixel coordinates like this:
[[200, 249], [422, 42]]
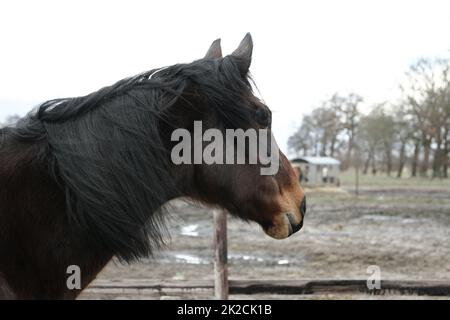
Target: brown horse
[[85, 179]]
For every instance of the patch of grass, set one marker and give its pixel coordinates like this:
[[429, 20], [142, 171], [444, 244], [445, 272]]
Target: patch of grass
[[384, 192], [396, 199], [381, 179]]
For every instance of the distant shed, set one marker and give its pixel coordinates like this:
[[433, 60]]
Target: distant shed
[[317, 170]]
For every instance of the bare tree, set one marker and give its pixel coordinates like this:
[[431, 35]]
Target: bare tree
[[425, 94], [404, 135], [376, 135], [318, 133], [349, 114], [302, 141]]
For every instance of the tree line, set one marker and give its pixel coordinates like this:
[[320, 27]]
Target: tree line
[[412, 132]]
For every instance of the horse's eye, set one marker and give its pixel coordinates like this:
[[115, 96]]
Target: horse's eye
[[263, 116]]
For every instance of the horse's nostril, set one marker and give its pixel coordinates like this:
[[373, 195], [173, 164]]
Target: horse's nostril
[[293, 226], [303, 206]]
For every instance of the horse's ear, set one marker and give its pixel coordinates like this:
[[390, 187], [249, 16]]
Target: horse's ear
[[243, 54], [215, 51]]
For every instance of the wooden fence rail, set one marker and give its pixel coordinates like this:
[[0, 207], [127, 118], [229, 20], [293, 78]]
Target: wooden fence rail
[[291, 287]]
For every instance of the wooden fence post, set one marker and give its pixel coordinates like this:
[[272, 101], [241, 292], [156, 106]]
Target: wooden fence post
[[220, 255]]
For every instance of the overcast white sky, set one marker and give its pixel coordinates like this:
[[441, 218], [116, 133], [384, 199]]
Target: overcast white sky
[[303, 50]]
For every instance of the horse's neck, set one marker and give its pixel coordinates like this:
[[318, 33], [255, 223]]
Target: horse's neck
[[36, 242]]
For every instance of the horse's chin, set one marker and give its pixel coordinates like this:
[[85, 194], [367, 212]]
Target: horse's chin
[[277, 234], [283, 228]]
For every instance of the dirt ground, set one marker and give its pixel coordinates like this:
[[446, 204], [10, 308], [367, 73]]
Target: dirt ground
[[403, 229]]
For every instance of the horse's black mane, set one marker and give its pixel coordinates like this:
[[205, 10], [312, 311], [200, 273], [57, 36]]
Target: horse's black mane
[[105, 150]]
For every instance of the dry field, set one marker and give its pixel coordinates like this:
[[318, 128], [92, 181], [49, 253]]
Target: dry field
[[402, 226]]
